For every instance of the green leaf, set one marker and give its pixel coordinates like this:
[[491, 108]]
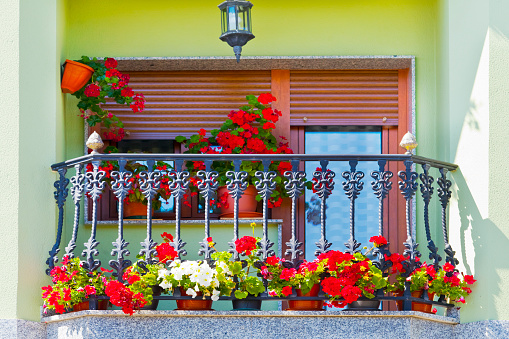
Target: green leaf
[[240, 294], [180, 139]]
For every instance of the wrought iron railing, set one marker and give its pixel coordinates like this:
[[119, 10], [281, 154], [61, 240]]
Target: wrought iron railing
[[90, 184]]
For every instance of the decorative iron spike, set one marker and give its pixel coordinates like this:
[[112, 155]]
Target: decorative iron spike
[[265, 186], [77, 189], [352, 186], [323, 186], [178, 186]]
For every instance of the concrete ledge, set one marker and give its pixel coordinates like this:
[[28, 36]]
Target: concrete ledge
[[238, 324]]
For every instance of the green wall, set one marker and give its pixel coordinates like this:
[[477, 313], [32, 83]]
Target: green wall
[[32, 132], [473, 101]]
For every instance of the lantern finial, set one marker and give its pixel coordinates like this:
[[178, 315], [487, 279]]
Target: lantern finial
[[408, 142]]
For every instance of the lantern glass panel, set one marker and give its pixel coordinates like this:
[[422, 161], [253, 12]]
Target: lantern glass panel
[[224, 21], [232, 18], [243, 23]]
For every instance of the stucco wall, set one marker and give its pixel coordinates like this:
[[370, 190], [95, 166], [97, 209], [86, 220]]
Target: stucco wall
[[473, 101]]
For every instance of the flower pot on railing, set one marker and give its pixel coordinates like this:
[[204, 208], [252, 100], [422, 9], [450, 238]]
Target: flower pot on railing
[[76, 75], [193, 304], [135, 210], [416, 306], [84, 305], [247, 204], [156, 291], [246, 305], [364, 305], [306, 305]]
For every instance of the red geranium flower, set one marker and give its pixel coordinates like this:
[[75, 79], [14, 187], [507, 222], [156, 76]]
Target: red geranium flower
[[469, 279], [110, 63], [448, 267], [266, 98], [92, 90], [286, 291], [378, 240]]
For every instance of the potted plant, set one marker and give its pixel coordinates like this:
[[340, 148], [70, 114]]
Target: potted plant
[[245, 281], [351, 277], [451, 284], [191, 278], [106, 82], [246, 131], [72, 286]]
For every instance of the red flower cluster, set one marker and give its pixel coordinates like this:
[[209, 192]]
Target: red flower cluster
[[92, 90], [335, 258], [448, 267], [273, 260], [127, 92], [287, 273], [307, 267], [138, 104], [378, 240], [110, 63], [122, 296], [57, 298], [266, 98], [166, 252], [286, 291], [396, 260], [245, 245], [271, 203]]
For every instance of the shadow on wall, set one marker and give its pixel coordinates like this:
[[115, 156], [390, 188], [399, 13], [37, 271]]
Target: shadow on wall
[[488, 242]]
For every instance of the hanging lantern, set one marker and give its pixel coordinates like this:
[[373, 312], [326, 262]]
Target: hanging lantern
[[236, 24]]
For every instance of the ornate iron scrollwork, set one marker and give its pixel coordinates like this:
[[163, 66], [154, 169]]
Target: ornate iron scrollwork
[[94, 188], [323, 186], [236, 185], [207, 184], [265, 186], [77, 189], [444, 194], [352, 186], [294, 187], [60, 196], [178, 186], [120, 186]]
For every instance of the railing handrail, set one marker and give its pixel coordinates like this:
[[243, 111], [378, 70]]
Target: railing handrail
[[254, 157]]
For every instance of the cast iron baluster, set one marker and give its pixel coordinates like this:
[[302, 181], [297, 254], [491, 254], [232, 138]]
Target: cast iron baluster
[[78, 186], [60, 195], [265, 186], [323, 186], [149, 185], [444, 194], [352, 186], [120, 186], [94, 188], [408, 187], [207, 184], [427, 193], [294, 187], [381, 187], [236, 185], [178, 186]]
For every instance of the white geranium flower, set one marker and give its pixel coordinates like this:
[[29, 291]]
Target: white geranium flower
[[166, 285], [191, 292], [197, 288], [163, 273], [215, 295]]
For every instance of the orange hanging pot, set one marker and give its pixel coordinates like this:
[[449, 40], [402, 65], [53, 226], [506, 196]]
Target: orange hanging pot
[[76, 75], [416, 306]]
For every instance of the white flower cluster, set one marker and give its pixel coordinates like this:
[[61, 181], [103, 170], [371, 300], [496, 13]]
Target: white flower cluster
[[200, 275]]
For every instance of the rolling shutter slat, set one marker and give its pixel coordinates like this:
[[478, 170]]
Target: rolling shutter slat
[[338, 97], [180, 103]]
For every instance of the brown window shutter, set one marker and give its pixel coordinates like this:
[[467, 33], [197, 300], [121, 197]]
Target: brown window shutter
[[182, 102], [344, 97]]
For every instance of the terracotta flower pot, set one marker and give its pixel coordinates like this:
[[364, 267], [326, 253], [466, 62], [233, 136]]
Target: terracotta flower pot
[[135, 210], [84, 306], [76, 75], [247, 203], [197, 304], [306, 305], [416, 306]]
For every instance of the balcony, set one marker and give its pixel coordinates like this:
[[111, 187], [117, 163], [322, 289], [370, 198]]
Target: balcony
[[414, 176]]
